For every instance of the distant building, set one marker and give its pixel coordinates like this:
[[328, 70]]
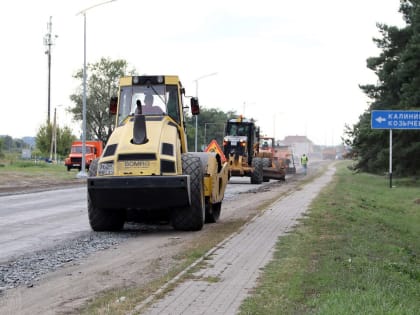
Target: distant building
[[299, 144], [26, 154], [30, 141]]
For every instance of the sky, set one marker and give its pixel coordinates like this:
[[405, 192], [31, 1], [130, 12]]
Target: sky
[[294, 66]]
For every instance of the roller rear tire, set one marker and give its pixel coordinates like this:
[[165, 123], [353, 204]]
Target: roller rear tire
[[191, 218], [104, 219]]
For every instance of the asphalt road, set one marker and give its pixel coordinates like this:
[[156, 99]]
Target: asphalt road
[[35, 221], [30, 222]]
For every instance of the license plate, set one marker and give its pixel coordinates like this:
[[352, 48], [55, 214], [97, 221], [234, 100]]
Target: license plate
[[141, 164]]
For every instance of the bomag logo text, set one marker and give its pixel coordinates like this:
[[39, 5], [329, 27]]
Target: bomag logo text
[[136, 163]]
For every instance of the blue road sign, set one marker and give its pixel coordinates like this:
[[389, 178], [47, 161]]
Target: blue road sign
[[395, 119]]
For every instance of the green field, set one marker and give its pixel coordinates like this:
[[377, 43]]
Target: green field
[[356, 252], [29, 171]]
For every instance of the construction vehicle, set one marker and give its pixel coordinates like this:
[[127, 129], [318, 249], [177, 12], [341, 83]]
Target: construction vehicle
[[240, 147], [273, 163], [285, 153], [93, 150], [329, 153], [145, 167]]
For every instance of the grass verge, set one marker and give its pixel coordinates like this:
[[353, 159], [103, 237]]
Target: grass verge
[[19, 171], [356, 252]]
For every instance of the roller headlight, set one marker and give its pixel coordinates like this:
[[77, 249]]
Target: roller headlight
[[106, 168], [136, 80]]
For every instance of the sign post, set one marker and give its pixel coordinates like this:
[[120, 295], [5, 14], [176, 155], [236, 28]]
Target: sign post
[[394, 119], [390, 158]]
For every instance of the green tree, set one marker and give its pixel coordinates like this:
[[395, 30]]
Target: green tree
[[12, 145], [102, 84], [7, 143], [1, 148], [211, 123], [64, 140], [398, 71]]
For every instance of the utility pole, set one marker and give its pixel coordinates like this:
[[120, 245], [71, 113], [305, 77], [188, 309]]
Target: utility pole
[[54, 138], [48, 42], [82, 173]]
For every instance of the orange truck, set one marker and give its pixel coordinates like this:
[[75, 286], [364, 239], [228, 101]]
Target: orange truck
[[285, 153], [273, 164], [93, 151]]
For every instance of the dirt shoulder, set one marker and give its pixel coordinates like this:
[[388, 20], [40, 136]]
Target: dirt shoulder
[[12, 183]]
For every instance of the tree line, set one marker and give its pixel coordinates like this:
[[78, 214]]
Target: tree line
[[102, 84], [8, 144], [398, 88]]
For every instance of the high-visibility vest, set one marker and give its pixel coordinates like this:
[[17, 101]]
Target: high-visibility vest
[[304, 159]]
